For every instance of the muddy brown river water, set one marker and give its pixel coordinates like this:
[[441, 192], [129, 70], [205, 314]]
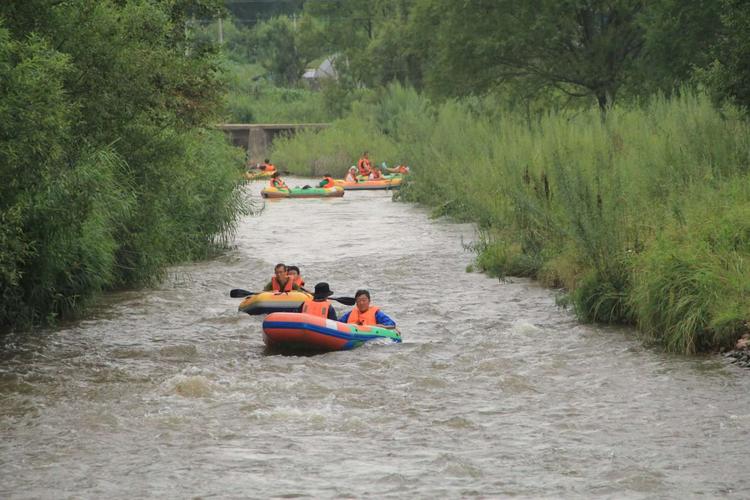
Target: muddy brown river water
[[496, 392]]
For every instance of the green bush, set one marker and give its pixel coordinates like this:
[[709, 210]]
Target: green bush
[[105, 180], [692, 286]]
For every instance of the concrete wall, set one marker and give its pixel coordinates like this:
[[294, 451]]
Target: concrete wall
[[256, 139]]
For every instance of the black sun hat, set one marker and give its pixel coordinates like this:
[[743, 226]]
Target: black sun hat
[[322, 291]]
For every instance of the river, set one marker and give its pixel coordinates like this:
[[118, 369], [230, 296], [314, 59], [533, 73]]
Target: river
[[495, 391]]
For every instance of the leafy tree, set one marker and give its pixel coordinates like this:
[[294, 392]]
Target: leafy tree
[[728, 75], [580, 47], [108, 168], [286, 46], [369, 37], [678, 36], [252, 13]]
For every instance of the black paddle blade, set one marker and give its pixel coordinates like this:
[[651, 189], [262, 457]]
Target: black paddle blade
[[349, 301], [239, 292]]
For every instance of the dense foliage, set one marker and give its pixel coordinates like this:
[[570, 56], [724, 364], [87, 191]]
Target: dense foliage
[[109, 170], [639, 219], [540, 54]]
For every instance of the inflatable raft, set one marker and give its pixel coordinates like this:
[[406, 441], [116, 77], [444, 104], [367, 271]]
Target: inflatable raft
[[313, 192], [393, 183], [306, 332], [259, 174], [268, 302]]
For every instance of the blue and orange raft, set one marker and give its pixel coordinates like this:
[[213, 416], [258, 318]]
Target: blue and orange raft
[[307, 332]]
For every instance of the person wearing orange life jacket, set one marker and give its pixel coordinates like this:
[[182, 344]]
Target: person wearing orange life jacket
[[294, 274], [375, 174], [401, 169], [364, 165], [281, 281], [351, 175], [267, 166], [327, 181], [366, 314], [319, 305], [277, 182]]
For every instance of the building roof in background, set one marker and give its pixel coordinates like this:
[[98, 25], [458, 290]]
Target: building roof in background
[[324, 70]]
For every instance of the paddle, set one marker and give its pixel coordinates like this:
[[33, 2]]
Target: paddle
[[239, 292], [347, 301]]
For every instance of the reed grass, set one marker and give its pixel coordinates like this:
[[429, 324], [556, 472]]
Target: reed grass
[[637, 216], [332, 150]]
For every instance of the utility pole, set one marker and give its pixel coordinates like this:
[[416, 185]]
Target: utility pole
[[221, 31]]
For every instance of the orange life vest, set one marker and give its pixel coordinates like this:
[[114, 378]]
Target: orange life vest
[[316, 308], [403, 169], [364, 166], [278, 183], [376, 175], [277, 286], [300, 282], [363, 318], [329, 182]]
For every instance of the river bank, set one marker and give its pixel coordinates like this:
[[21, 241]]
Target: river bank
[[643, 218]]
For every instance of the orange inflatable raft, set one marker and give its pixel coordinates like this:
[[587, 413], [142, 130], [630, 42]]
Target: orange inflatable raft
[[393, 183]]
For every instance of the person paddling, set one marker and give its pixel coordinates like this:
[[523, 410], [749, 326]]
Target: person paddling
[[281, 282], [366, 314], [319, 305]]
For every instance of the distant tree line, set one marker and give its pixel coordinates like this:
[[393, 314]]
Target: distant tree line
[[554, 50]]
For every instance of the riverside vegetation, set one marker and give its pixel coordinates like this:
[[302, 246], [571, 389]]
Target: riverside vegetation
[[110, 168], [642, 218]]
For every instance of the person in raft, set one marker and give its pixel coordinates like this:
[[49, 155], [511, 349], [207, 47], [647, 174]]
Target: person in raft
[[319, 305], [401, 169], [366, 314], [375, 174], [364, 165], [267, 166], [351, 175], [281, 282], [294, 274], [277, 182], [327, 181]]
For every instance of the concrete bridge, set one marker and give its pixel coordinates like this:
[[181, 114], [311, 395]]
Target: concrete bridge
[[256, 138]]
